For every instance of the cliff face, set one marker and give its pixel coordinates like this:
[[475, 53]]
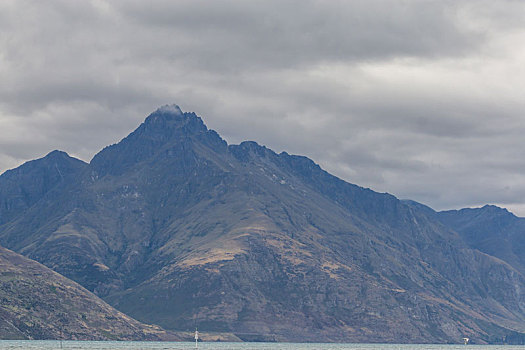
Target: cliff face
[[38, 303], [174, 226]]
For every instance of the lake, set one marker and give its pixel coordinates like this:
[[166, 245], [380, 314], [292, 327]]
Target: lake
[[100, 345]]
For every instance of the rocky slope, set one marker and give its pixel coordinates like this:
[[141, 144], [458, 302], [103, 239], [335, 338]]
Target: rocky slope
[[175, 227], [38, 303]]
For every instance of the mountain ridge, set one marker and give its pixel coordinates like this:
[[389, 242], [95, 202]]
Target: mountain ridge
[[175, 227]]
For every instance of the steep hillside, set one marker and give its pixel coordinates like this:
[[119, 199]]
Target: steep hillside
[[37, 303], [175, 227]]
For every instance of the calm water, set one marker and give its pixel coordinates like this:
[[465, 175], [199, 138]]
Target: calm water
[[46, 345]]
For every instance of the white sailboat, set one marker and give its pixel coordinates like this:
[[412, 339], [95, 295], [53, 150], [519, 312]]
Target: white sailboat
[[196, 338]]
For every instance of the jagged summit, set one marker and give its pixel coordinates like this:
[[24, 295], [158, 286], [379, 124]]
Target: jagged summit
[[495, 209], [169, 117], [168, 131], [169, 109]]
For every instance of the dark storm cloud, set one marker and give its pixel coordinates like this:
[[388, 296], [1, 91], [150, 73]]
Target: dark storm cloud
[[422, 99]]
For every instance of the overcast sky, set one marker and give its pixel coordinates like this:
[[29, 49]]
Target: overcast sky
[[421, 99]]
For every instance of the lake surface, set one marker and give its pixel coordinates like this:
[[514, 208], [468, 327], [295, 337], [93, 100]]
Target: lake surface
[[95, 345]]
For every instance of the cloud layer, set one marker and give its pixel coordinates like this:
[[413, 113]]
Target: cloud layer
[[422, 99]]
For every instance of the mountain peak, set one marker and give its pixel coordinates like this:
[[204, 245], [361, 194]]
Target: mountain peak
[[57, 154], [166, 112], [493, 207], [170, 117], [166, 127], [50, 160], [495, 210], [487, 209], [169, 109]]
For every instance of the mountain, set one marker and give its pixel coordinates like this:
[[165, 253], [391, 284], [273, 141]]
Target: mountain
[[175, 227], [23, 187], [38, 303], [492, 230]]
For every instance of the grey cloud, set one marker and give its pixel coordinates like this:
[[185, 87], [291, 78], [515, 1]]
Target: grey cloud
[[43, 93], [418, 98], [262, 34]]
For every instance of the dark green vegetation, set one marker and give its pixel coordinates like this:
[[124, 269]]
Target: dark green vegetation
[[175, 227], [38, 303]]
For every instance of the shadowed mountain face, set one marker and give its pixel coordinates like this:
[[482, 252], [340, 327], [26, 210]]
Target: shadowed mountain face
[[38, 303], [175, 227], [23, 187], [492, 230]]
